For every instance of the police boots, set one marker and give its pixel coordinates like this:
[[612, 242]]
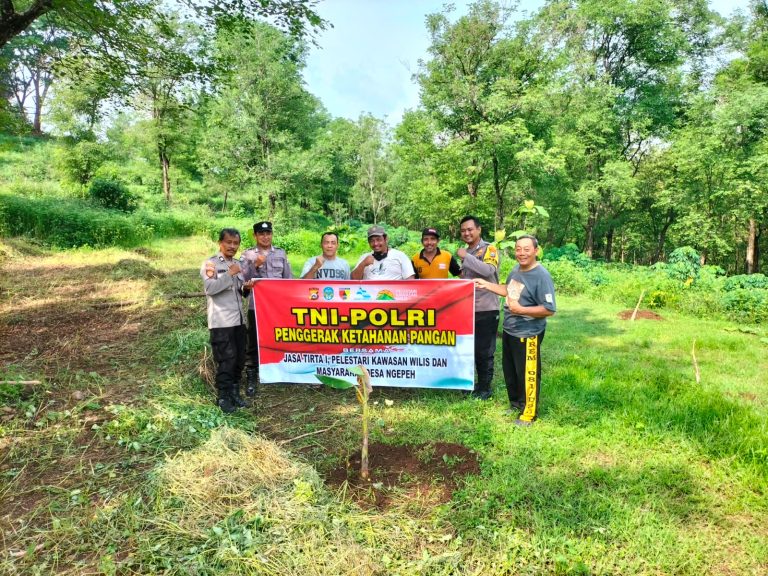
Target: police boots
[[235, 396], [251, 381], [226, 404]]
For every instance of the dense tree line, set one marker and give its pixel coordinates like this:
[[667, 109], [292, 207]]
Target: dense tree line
[[631, 126]]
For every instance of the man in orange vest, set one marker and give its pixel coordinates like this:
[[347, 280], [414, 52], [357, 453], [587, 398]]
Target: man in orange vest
[[432, 262]]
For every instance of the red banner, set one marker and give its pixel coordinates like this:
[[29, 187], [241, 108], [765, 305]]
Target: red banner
[[410, 333]]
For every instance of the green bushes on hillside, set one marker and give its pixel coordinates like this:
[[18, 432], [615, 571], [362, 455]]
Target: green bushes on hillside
[[682, 284], [71, 223]]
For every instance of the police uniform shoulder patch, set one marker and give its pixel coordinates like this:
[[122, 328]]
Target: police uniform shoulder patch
[[210, 269], [491, 256]]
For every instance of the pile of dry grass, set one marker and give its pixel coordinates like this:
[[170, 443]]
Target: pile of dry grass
[[231, 471], [302, 529]]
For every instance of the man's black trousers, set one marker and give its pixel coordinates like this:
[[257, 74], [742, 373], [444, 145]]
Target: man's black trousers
[[486, 326], [521, 361], [228, 346], [252, 349]]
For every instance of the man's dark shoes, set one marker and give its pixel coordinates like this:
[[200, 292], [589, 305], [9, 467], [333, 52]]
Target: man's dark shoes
[[481, 395], [226, 405], [238, 402], [251, 381], [514, 409], [522, 423]]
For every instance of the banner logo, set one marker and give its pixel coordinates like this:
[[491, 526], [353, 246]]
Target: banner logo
[[385, 295]]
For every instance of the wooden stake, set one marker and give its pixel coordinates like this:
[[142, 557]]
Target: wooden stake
[[634, 314], [695, 363], [282, 442]]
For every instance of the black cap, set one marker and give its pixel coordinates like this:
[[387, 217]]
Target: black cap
[[263, 226], [430, 232]]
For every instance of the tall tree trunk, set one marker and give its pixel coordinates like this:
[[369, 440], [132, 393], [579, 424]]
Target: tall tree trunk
[[589, 242], [663, 235], [752, 247], [499, 194], [165, 163], [272, 205], [563, 232], [609, 244], [37, 129]]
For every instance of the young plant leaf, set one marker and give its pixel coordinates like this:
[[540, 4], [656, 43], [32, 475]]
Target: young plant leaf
[[336, 383]]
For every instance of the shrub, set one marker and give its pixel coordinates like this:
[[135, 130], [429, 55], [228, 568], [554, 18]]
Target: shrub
[[568, 252], [72, 223], [658, 299], [301, 242], [396, 237], [112, 194], [746, 281], [684, 264], [78, 162], [567, 277], [746, 304]]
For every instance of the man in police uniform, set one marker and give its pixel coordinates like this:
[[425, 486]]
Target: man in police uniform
[[432, 262], [481, 260], [261, 261], [223, 283]]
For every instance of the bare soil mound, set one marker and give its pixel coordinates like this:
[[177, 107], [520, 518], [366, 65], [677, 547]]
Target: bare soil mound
[[429, 472]]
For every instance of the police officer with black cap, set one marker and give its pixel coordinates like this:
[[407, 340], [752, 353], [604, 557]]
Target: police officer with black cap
[[261, 261]]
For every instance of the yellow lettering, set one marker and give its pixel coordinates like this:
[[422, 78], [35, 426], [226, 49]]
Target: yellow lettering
[[356, 315], [378, 317], [300, 314]]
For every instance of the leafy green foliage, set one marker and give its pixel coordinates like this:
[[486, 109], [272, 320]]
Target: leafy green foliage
[[112, 194], [747, 304], [746, 281], [78, 161], [71, 223], [684, 264]]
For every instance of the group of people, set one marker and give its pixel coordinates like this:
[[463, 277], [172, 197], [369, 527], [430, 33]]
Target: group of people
[[529, 299]]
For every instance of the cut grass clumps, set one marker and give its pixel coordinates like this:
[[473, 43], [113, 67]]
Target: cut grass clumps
[[239, 504], [231, 471]]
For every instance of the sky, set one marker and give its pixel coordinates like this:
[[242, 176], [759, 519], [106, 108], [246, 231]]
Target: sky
[[365, 63]]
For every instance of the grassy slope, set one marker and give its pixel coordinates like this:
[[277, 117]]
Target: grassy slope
[[633, 468]]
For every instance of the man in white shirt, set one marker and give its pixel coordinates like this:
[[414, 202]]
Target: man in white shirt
[[383, 263]]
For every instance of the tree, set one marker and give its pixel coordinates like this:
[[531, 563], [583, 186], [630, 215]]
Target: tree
[[624, 88], [32, 58], [112, 22], [260, 114], [373, 166], [480, 87], [164, 82]]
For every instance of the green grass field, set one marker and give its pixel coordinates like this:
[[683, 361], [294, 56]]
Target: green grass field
[[119, 463]]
